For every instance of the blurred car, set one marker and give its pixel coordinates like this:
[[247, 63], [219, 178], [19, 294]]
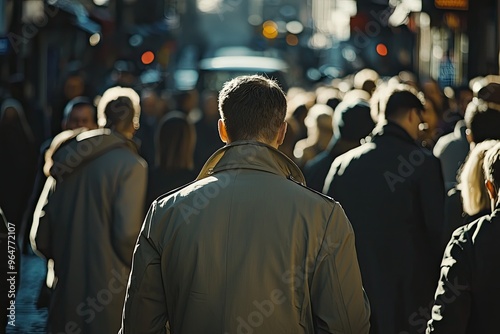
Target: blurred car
[[227, 63]]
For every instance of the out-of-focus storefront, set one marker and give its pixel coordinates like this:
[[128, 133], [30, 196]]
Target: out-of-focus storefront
[[457, 40], [42, 42], [450, 41]]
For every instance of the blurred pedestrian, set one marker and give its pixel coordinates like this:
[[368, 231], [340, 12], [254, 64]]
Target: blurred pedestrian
[[469, 200], [92, 217], [319, 133], [80, 112], [463, 95], [367, 80], [482, 121], [468, 289], [392, 192], [429, 129], [207, 136], [175, 141], [352, 122], [152, 110], [290, 140], [451, 150], [246, 245], [186, 100], [74, 85], [18, 160]]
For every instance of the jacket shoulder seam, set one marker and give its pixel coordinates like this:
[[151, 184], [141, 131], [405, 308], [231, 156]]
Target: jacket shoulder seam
[[330, 199]]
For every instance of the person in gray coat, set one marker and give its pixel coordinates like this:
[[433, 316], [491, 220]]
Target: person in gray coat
[[246, 247], [95, 198]]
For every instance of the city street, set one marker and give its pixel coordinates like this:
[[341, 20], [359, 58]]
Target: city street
[[264, 166]]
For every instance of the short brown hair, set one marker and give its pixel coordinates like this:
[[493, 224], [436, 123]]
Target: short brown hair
[[252, 107]]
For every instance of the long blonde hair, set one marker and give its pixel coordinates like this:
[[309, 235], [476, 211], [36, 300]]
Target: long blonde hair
[[474, 195]]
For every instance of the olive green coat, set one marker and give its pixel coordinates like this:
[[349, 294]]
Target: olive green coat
[[246, 248]]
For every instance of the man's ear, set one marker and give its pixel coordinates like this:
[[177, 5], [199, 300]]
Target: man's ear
[[221, 126], [281, 133], [469, 136], [491, 189]]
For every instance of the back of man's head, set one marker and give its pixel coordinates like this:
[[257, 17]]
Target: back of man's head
[[482, 120], [119, 109], [401, 101], [352, 121], [252, 108], [491, 166]]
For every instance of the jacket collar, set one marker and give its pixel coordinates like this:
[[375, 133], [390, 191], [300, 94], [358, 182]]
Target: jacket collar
[[254, 155], [392, 129]]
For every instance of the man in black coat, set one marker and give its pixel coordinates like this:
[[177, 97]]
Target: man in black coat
[[468, 292], [392, 192], [351, 123]]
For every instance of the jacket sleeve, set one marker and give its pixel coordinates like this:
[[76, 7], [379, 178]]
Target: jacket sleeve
[[432, 197], [40, 235], [128, 211], [339, 302], [145, 309], [450, 313]]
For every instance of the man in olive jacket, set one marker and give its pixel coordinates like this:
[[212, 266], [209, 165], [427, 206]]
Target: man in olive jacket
[[93, 216], [246, 247]]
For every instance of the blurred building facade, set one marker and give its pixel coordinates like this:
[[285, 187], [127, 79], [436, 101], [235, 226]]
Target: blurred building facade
[[451, 41]]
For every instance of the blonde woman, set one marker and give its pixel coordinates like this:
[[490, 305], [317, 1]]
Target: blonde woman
[[469, 200]]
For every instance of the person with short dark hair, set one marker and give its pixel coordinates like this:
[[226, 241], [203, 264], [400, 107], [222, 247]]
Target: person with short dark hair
[[352, 122], [246, 246], [392, 192], [468, 289], [89, 215]]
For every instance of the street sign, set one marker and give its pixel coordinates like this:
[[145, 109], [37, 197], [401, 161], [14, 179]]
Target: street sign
[[452, 4]]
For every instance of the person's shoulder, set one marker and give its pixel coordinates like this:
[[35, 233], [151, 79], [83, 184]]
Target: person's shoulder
[[484, 225], [183, 193], [358, 154], [442, 143], [312, 193], [466, 234]]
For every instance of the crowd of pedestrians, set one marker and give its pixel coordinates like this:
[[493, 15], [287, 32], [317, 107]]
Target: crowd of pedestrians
[[318, 210]]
